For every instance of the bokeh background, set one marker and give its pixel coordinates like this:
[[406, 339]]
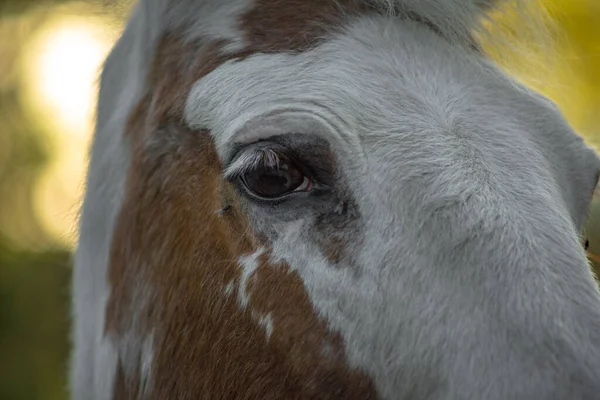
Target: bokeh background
[[50, 55]]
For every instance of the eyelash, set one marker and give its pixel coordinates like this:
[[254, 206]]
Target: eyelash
[[247, 160], [265, 163]]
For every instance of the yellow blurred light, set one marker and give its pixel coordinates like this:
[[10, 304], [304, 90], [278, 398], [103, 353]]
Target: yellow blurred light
[[60, 69]]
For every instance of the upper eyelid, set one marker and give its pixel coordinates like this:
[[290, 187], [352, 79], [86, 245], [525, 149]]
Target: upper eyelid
[[249, 159], [309, 153]]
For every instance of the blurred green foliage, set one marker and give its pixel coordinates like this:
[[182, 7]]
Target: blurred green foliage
[[35, 273], [34, 313]]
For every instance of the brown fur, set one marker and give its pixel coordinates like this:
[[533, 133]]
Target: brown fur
[[172, 256], [294, 25], [334, 248], [299, 25], [331, 232]]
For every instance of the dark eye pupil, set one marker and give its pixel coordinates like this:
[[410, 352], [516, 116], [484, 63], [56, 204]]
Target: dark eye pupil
[[273, 182]]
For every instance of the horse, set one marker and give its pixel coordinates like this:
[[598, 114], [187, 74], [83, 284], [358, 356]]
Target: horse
[[323, 199]]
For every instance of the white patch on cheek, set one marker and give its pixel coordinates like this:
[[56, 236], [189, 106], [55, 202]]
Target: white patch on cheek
[[229, 288], [266, 321], [290, 231], [335, 293], [249, 264]]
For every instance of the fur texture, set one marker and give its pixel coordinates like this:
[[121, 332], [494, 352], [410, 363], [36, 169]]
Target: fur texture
[[455, 201]]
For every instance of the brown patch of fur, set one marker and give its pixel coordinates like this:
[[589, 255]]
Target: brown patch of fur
[[339, 231], [172, 256], [331, 237], [294, 25], [334, 248], [126, 387], [298, 25]]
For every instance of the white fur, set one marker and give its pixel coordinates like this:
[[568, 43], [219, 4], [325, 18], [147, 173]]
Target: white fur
[[469, 281], [248, 264], [147, 358], [94, 360], [472, 191], [266, 322], [251, 160], [456, 19], [228, 288]]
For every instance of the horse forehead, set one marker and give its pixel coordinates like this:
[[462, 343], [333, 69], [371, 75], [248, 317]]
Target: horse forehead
[[379, 77], [389, 89], [375, 64]]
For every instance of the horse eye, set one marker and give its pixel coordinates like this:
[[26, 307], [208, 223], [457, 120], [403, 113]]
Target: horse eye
[[274, 181]]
